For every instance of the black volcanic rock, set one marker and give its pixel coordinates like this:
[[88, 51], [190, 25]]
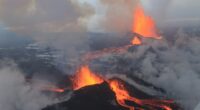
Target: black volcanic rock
[[101, 97], [96, 97]]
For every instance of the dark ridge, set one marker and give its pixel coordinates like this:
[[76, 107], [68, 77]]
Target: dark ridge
[[96, 97], [101, 97]]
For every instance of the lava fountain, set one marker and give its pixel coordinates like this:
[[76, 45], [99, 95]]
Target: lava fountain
[[143, 25], [85, 77]]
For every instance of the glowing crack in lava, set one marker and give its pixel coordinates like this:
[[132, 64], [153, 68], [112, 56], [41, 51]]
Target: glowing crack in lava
[[85, 77], [143, 25]]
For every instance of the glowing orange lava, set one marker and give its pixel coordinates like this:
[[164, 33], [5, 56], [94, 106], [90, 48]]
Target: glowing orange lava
[[143, 25], [122, 95], [85, 77], [53, 89], [136, 41], [57, 90]]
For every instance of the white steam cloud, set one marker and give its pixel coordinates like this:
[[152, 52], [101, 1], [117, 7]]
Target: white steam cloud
[[178, 69], [44, 16], [16, 94], [61, 24], [118, 15], [157, 8], [171, 66]]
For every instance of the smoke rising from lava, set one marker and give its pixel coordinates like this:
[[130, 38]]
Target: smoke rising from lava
[[15, 93], [158, 9], [173, 66], [118, 16]]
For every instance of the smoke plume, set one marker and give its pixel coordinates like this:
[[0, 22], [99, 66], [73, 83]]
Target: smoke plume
[[61, 24], [118, 15], [158, 9], [173, 66], [15, 93]]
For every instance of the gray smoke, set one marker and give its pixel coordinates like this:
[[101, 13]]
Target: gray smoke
[[118, 15], [61, 24], [174, 12], [170, 64], [176, 69], [16, 94], [197, 107], [158, 9], [165, 13]]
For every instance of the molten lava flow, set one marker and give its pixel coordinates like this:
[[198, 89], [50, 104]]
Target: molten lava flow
[[53, 89], [58, 90], [84, 77], [136, 41], [122, 96], [143, 25]]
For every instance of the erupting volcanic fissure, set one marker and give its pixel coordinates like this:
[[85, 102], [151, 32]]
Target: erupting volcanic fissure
[[143, 25], [85, 77]]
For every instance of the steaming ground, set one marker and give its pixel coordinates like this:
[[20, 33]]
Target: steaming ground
[[170, 64], [16, 94], [176, 69]]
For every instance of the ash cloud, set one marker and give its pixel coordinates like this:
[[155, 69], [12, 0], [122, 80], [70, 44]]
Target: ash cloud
[[174, 12], [176, 69], [118, 15], [158, 9], [169, 64], [61, 24], [44, 16]]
